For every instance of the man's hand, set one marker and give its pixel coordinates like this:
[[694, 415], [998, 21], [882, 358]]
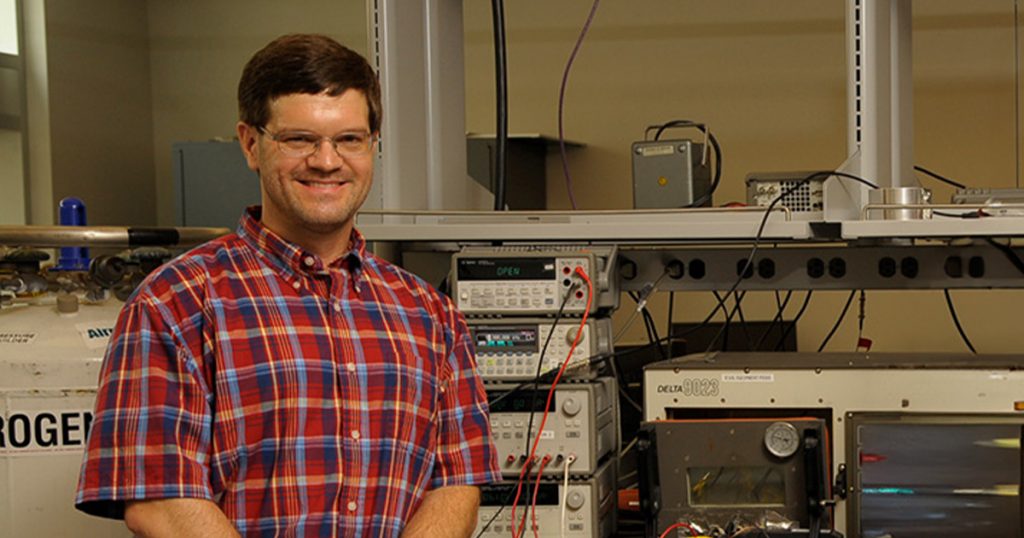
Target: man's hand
[[445, 512], [183, 518]]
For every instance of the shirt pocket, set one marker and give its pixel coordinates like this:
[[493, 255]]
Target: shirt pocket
[[404, 388]]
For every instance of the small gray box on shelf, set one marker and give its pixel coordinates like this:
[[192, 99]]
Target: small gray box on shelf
[[669, 173], [212, 183]]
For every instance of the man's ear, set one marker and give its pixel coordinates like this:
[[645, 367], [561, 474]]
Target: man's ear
[[247, 138]]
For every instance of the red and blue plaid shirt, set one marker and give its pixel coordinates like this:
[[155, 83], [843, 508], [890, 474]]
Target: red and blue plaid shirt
[[304, 398]]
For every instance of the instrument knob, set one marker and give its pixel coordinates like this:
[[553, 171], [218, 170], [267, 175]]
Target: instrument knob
[[571, 406], [575, 500], [570, 335]]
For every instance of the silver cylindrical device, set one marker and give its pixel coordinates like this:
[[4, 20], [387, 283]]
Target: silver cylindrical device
[[908, 196]]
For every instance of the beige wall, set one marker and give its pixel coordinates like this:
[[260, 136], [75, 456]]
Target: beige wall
[[770, 79], [127, 79], [130, 78], [198, 50], [100, 111], [12, 183]]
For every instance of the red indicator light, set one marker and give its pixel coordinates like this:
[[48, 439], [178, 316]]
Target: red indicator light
[[867, 457]]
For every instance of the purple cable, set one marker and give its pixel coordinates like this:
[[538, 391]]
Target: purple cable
[[561, 102]]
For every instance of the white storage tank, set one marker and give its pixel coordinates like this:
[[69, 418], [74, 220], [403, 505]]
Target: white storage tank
[[51, 349], [49, 368]]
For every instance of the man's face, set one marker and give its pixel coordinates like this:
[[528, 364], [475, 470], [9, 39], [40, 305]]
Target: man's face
[[319, 193]]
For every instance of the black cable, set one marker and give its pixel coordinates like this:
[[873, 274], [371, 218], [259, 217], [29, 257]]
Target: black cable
[[668, 331], [779, 316], [1007, 251], [839, 321], [652, 331], [737, 299], [764, 221], [620, 380], [743, 320], [861, 316], [956, 321], [540, 365], [737, 310], [610, 357], [652, 338], [716, 179], [792, 324], [725, 329], [501, 91], [589, 362], [533, 403], [540, 361], [815, 530], [646, 316], [941, 178], [617, 354], [972, 214]]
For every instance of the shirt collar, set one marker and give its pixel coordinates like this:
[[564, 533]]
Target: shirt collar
[[292, 256]]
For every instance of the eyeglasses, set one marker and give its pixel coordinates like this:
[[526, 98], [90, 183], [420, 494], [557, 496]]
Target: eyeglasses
[[303, 144]]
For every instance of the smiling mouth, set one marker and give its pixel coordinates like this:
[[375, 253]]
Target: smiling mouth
[[320, 184]]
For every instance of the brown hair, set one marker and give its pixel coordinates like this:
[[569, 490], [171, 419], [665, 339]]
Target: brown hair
[[304, 63]]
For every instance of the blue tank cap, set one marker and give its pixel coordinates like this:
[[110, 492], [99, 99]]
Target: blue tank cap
[[72, 213]]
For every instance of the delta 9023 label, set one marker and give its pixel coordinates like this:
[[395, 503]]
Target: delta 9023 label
[[692, 386]]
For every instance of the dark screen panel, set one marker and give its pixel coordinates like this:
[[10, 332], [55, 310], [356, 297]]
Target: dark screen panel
[[502, 494], [521, 402], [519, 338], [506, 269], [920, 480]]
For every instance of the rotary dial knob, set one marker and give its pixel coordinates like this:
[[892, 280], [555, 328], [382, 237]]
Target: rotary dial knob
[[571, 406], [575, 500]]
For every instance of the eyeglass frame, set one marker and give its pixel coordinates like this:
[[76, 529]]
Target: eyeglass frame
[[293, 152]]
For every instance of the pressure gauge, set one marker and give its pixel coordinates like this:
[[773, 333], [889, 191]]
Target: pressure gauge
[[782, 439]]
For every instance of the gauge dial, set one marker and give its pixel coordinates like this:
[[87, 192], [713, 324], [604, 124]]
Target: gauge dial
[[782, 439]]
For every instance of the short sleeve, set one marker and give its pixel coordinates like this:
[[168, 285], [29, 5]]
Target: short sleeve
[[465, 450], [150, 434]]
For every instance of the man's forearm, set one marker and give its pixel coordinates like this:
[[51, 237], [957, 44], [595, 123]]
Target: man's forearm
[[445, 512], [184, 518]]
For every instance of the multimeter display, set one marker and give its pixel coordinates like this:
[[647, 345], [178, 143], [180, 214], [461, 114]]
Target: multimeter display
[[506, 269], [500, 494], [520, 402], [505, 338]]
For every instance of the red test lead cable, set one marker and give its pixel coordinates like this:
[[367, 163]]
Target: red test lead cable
[[537, 488], [551, 391], [523, 474], [675, 526]]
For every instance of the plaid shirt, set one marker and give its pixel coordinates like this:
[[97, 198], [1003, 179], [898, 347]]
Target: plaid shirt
[[304, 399]]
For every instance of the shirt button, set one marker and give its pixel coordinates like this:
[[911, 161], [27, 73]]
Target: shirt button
[[296, 284], [337, 307], [355, 434], [309, 261], [351, 368], [352, 506]]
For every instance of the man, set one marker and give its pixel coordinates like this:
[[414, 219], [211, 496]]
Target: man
[[282, 380]]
